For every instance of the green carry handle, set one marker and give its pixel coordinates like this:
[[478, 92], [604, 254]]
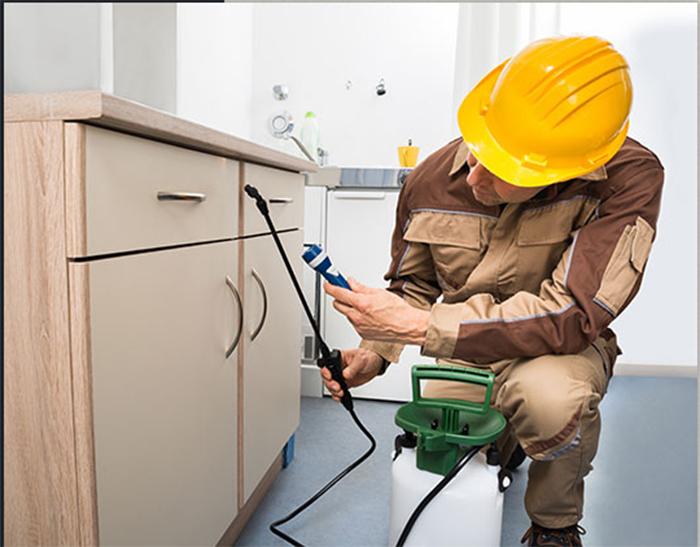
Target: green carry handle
[[443, 428], [454, 374]]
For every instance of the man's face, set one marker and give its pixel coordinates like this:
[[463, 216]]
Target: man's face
[[490, 190]]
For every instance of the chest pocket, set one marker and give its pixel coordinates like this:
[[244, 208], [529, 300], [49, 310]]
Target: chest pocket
[[543, 236], [457, 243]]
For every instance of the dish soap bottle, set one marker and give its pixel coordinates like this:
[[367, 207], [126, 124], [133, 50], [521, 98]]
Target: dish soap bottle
[[309, 134]]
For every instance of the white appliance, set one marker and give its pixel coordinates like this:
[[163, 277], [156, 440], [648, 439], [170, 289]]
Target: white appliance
[[359, 225], [314, 232]]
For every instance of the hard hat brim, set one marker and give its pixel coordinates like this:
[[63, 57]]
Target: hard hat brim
[[506, 166]]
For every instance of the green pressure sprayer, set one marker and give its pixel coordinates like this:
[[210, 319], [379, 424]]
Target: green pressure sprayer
[[440, 437]]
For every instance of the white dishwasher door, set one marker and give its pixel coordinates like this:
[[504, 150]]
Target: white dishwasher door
[[359, 226]]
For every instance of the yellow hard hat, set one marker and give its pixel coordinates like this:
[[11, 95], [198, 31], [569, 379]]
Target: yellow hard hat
[[557, 110]]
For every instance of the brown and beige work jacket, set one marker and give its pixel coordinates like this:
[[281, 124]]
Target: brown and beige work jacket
[[546, 276]]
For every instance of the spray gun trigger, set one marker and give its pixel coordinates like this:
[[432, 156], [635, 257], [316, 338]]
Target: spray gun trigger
[[333, 363]]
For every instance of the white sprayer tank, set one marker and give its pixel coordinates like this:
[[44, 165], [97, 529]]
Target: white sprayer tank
[[467, 512]]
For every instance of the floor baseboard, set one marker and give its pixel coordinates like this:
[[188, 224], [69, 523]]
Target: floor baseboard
[[311, 384], [669, 371]]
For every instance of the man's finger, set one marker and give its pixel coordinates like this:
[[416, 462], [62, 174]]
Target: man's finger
[[340, 294], [342, 308], [359, 288]]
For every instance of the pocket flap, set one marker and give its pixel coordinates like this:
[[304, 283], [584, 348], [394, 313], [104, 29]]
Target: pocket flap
[[544, 228], [641, 246], [456, 229], [557, 222]]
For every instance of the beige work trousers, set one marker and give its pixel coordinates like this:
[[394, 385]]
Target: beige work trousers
[[551, 405]]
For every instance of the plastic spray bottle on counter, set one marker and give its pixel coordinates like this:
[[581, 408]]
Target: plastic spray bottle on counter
[[309, 134]]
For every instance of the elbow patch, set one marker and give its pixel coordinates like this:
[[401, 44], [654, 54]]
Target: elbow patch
[[625, 266]]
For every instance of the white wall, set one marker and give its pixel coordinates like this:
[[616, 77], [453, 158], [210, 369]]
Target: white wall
[[659, 42], [124, 48], [51, 47], [144, 53], [214, 65], [315, 49]]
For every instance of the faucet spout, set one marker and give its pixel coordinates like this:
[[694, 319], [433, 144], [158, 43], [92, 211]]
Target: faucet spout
[[303, 148]]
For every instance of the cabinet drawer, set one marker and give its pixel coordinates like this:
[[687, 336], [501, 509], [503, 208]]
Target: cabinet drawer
[[115, 186], [284, 192]]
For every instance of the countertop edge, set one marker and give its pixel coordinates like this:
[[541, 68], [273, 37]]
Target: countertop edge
[[109, 111]]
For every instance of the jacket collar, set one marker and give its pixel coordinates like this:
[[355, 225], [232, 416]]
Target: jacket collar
[[463, 151], [460, 158], [599, 174]]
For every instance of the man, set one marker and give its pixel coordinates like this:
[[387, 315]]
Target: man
[[535, 228]]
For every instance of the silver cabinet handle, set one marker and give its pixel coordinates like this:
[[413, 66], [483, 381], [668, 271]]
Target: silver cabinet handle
[[281, 200], [264, 313], [239, 304], [181, 196]]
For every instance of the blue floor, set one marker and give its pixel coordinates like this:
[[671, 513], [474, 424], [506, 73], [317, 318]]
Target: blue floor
[[642, 491]]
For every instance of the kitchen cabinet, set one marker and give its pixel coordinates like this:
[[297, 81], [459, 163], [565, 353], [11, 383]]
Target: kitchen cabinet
[[129, 306]]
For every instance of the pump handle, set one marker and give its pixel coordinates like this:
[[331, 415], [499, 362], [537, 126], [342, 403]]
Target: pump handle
[[454, 374]]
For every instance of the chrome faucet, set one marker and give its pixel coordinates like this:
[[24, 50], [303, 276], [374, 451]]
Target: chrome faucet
[[322, 156]]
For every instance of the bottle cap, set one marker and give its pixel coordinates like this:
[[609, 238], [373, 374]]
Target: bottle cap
[[310, 114]]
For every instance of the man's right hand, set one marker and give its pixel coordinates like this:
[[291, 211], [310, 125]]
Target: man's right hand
[[359, 367]]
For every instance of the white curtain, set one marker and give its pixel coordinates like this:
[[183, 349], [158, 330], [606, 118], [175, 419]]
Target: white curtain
[[488, 33]]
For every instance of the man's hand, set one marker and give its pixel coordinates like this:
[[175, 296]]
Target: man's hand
[[359, 367], [377, 314]]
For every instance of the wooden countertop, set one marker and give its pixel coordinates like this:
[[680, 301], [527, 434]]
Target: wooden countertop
[[105, 110]]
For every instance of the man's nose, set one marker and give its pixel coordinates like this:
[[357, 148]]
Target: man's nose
[[477, 176]]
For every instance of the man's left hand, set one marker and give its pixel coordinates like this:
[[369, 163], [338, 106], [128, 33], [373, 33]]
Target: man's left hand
[[377, 314]]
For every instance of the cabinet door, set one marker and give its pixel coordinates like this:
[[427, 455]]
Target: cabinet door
[[164, 394], [272, 353]]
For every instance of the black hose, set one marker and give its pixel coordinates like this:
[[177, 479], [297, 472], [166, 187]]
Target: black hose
[[338, 477], [434, 492]]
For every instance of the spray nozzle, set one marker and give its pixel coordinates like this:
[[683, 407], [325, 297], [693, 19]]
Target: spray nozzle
[[252, 191]]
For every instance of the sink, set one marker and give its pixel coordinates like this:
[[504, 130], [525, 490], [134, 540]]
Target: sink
[[359, 177]]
